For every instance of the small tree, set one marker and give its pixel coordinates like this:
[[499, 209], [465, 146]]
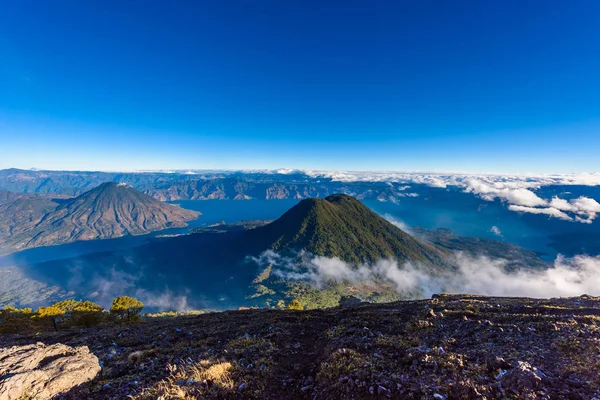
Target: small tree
[[295, 305], [126, 308], [87, 313], [53, 314]]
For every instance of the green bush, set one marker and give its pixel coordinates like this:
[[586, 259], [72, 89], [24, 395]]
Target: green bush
[[126, 308], [295, 305], [51, 316], [15, 320], [87, 314], [71, 313]]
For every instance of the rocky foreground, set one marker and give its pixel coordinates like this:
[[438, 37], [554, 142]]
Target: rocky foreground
[[449, 347]]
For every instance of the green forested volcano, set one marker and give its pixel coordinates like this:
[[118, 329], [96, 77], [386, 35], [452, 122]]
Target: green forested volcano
[[341, 226]]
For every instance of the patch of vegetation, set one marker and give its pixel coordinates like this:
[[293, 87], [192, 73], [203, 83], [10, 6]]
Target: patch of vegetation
[[14, 320], [68, 314], [342, 366], [295, 305], [126, 308], [264, 274]]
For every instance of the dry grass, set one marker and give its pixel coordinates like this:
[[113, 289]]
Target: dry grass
[[211, 378], [218, 374]]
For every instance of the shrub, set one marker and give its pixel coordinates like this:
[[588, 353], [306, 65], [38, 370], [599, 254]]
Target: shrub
[[51, 315], [14, 320], [71, 313], [87, 314], [295, 305], [126, 308]]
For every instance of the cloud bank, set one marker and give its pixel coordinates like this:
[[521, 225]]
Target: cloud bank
[[517, 191], [475, 275]]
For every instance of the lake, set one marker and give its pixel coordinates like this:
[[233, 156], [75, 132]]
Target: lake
[[465, 214]]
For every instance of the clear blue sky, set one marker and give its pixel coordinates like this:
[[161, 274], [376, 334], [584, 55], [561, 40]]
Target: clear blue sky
[[478, 86]]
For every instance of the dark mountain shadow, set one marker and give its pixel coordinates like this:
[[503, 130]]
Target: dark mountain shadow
[[59, 200], [208, 268]]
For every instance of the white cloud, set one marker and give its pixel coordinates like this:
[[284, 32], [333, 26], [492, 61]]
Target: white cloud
[[514, 181], [400, 224], [585, 207], [476, 275], [517, 191], [518, 196], [432, 181], [496, 231], [550, 211]]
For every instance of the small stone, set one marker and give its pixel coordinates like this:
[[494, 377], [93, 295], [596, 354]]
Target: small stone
[[501, 374], [382, 390], [522, 376], [242, 386]]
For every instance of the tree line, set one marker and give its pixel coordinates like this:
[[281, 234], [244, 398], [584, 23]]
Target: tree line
[[69, 314]]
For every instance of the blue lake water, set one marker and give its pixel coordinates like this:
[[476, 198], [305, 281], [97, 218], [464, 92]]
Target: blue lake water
[[464, 213], [229, 211], [468, 215], [213, 211]]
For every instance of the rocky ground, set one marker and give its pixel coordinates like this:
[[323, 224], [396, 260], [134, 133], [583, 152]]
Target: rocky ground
[[449, 347]]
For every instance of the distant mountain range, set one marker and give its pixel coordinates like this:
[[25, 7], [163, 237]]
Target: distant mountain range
[[206, 186], [107, 211], [468, 203]]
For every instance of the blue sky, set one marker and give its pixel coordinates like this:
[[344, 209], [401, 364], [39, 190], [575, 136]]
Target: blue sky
[[476, 86]]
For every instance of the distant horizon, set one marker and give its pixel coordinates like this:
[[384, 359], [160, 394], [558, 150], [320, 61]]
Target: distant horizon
[[285, 171]]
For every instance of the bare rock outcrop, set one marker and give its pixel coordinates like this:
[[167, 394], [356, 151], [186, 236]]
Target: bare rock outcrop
[[41, 372]]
